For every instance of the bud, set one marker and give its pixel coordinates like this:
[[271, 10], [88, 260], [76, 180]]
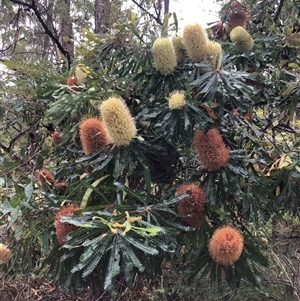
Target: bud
[[214, 50], [63, 229], [117, 120], [176, 100], [44, 176], [210, 149], [179, 48], [92, 135], [226, 245], [82, 72], [4, 253], [191, 208], [195, 41], [56, 138], [164, 56], [242, 39]]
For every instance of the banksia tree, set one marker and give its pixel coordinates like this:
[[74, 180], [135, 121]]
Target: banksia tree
[[226, 245], [4, 253], [62, 229], [92, 135], [179, 48], [118, 122], [176, 100], [242, 39], [164, 56], [191, 209], [210, 149], [195, 41]]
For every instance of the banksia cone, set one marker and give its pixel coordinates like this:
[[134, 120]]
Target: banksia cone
[[226, 245], [214, 50], [195, 41], [61, 185], [117, 120], [242, 39], [176, 100], [191, 208], [179, 48], [56, 137], [44, 176], [4, 254], [72, 83], [238, 16], [82, 72], [164, 56], [63, 229], [92, 135], [210, 149]]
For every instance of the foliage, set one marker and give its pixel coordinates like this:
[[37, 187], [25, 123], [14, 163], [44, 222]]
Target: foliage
[[128, 224]]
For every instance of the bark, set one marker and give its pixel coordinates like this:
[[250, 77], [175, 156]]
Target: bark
[[102, 15], [49, 24], [166, 6]]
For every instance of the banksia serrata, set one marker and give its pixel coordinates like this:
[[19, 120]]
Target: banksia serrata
[[214, 51], [56, 137], [191, 208], [176, 100], [117, 120], [242, 39], [179, 48], [63, 229], [92, 135], [44, 176], [226, 245], [210, 149], [4, 253], [164, 56], [195, 41]]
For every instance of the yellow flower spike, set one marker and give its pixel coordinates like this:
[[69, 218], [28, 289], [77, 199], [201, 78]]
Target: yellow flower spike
[[176, 100], [82, 73]]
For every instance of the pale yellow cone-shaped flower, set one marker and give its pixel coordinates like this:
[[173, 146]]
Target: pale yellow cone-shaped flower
[[82, 73], [164, 56], [117, 120], [214, 51], [179, 48], [176, 100], [195, 41], [242, 39], [4, 254]]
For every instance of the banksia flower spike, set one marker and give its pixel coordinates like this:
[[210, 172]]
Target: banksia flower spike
[[118, 121], [176, 100], [72, 84], [56, 137], [191, 208], [63, 229], [238, 16], [210, 149], [164, 56], [82, 72], [242, 39], [92, 135], [179, 48], [195, 41], [226, 245], [44, 176], [4, 253], [61, 185], [214, 51]]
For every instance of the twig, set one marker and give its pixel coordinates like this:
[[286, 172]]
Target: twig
[[149, 14]]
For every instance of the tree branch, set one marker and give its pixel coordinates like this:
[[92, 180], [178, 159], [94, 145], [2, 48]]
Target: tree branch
[[149, 14], [34, 8], [278, 11]]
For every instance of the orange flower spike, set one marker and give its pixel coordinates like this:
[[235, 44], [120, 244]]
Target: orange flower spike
[[44, 176], [191, 208], [63, 229], [92, 135], [226, 245], [56, 137], [4, 253]]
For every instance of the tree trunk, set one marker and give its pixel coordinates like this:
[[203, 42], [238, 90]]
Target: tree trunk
[[47, 39], [166, 6], [102, 15]]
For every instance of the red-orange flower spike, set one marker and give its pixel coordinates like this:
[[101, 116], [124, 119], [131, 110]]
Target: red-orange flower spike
[[92, 135], [210, 149], [238, 16], [61, 186], [192, 208], [226, 245], [72, 83], [44, 176], [56, 137], [63, 229]]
